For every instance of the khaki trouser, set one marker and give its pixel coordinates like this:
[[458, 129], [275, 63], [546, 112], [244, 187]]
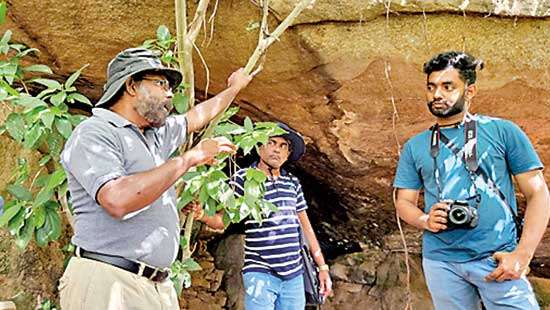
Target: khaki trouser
[[92, 285]]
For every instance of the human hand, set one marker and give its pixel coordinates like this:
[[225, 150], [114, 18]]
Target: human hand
[[511, 266], [325, 283], [239, 79], [195, 207], [206, 150], [437, 217]]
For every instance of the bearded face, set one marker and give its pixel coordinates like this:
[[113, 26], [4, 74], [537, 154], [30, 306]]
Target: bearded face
[[154, 108], [445, 108]]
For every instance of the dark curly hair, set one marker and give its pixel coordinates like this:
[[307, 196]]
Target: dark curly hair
[[465, 63]]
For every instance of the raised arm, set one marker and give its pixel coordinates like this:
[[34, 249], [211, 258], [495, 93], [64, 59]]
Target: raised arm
[[201, 114]]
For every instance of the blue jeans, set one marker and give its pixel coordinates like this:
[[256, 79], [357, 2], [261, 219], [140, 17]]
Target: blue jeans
[[264, 291], [462, 286]]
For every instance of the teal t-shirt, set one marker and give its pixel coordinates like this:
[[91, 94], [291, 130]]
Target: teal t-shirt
[[503, 150]]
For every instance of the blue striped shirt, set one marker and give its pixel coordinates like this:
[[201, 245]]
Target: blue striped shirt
[[273, 246]]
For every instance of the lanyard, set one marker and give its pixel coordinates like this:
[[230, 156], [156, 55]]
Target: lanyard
[[469, 155]]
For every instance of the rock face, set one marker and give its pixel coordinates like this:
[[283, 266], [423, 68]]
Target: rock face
[[347, 75]]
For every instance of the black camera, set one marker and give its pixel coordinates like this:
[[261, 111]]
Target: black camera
[[461, 214]]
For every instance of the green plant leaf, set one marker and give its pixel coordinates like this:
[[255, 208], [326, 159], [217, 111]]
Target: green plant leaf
[[81, 98], [47, 118], [19, 192], [17, 221], [55, 143], [39, 214], [56, 179], [53, 84], [190, 264], [15, 125], [33, 136], [248, 124], [52, 215], [3, 10], [42, 197], [25, 234], [9, 213], [64, 127], [163, 34], [58, 98], [6, 38], [76, 119], [38, 68], [180, 102], [44, 160]]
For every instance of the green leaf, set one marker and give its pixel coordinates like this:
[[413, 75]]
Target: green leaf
[[229, 113], [47, 118], [6, 37], [19, 192], [17, 222], [229, 129], [9, 213], [163, 34], [56, 179], [32, 136], [5, 86], [81, 98], [52, 215], [248, 124], [44, 160], [255, 174], [26, 52], [64, 127], [30, 102], [58, 98], [70, 81], [180, 102], [15, 125], [39, 214], [25, 234], [190, 264], [185, 198], [38, 68], [76, 119], [53, 84], [3, 10], [55, 143], [43, 196]]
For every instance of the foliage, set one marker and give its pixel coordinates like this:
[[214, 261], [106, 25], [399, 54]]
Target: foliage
[[39, 120]]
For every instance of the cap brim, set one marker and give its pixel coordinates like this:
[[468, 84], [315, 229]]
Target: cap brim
[[298, 145], [173, 76]]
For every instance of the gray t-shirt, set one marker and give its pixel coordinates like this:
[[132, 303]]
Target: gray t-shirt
[[107, 146]]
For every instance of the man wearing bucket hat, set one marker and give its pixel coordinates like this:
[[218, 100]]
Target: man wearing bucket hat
[[121, 172], [273, 269]]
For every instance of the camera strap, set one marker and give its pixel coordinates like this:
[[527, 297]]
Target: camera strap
[[470, 160]]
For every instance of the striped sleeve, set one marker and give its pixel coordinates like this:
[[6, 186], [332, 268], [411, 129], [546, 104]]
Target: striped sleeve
[[301, 204], [237, 182]]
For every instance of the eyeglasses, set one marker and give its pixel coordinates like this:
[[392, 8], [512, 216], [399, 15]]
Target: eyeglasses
[[164, 84]]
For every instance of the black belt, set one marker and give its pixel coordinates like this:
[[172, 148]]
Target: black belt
[[140, 269]]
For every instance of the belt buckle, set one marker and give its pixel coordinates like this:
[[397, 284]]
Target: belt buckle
[[159, 275]]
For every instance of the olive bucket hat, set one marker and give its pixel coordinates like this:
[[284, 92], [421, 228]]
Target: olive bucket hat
[[297, 143], [132, 61]]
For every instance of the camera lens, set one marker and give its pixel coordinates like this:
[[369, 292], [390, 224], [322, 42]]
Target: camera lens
[[458, 215]]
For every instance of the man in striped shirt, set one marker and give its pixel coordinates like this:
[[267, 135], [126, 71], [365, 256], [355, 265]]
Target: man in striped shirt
[[273, 270]]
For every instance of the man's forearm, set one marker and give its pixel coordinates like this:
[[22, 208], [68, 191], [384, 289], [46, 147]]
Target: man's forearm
[[537, 214], [134, 192], [411, 214], [309, 234], [201, 114]]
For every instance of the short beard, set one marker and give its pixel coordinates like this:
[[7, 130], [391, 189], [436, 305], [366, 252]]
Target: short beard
[[151, 108], [456, 108]]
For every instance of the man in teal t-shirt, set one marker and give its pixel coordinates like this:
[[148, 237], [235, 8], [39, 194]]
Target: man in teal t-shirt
[[479, 260]]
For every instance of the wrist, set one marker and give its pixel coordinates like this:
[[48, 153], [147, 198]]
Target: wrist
[[423, 221]]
